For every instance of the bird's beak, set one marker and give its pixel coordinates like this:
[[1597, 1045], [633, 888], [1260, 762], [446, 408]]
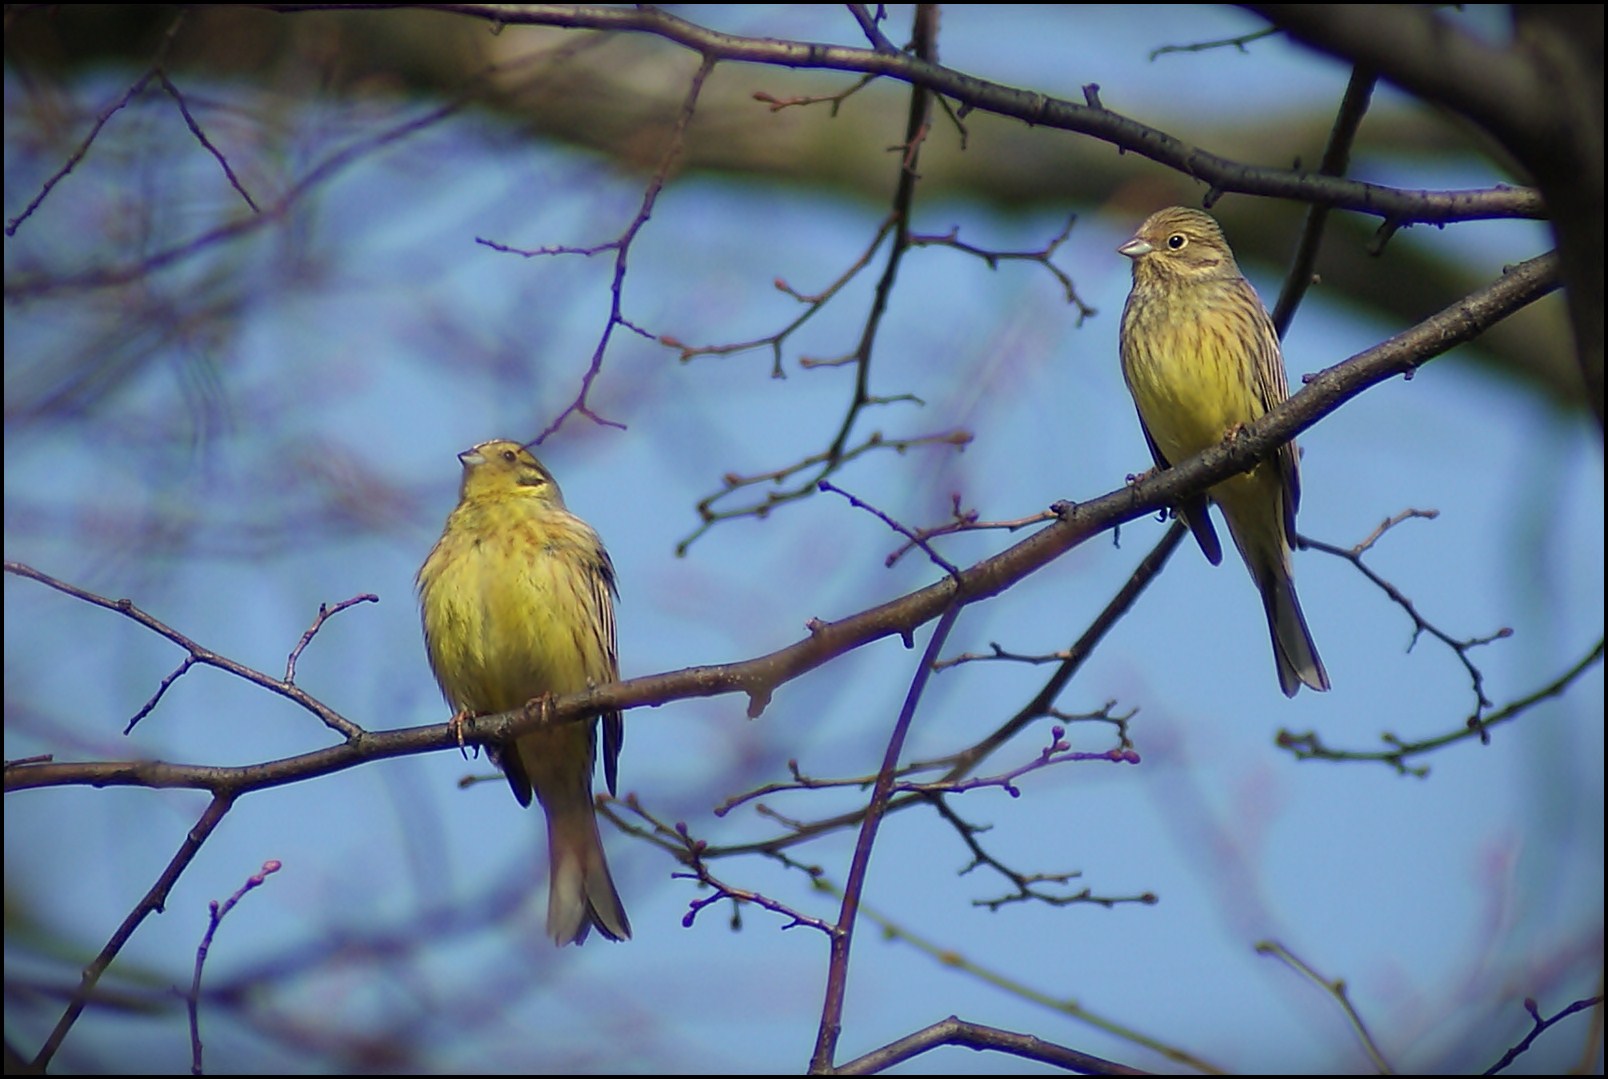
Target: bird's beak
[[1135, 247], [470, 458]]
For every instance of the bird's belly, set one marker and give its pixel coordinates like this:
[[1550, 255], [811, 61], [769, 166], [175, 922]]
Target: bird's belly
[[1189, 406], [515, 642]]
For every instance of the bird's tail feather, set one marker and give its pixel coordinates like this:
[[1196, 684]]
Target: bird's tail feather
[[1293, 650], [580, 889]]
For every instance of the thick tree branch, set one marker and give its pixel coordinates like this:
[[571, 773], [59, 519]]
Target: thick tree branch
[[1221, 173], [761, 676], [1541, 97]]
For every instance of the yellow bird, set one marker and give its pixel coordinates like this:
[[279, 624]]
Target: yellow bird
[[1201, 359], [517, 601]]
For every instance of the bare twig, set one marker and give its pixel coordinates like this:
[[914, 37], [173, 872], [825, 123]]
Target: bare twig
[[1421, 625], [1308, 746], [1540, 1026], [1335, 988], [217, 913], [325, 613], [151, 903]]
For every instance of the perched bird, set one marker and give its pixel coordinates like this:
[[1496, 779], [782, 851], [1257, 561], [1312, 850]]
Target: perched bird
[[517, 600], [1201, 359]]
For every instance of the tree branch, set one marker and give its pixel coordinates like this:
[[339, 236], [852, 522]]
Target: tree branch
[[761, 676]]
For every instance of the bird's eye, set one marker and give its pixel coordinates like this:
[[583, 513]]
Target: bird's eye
[[1177, 241], [510, 456]]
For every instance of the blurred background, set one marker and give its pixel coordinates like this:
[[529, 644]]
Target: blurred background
[[236, 374]]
